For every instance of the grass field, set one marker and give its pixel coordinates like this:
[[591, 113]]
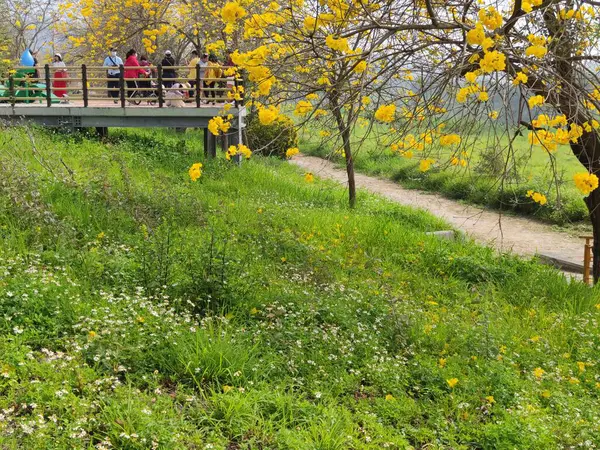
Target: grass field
[[532, 169], [253, 310]]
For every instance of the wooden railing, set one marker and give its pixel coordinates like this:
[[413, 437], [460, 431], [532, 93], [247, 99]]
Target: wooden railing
[[90, 84]]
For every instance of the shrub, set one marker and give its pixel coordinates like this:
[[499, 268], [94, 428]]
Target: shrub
[[273, 139]]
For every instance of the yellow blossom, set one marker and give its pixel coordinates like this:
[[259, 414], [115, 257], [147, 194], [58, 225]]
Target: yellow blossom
[[386, 113], [493, 61], [303, 107], [586, 182], [232, 12], [425, 164], [291, 152], [490, 18], [520, 78], [538, 372], [452, 382], [309, 177], [195, 171], [536, 100], [541, 199]]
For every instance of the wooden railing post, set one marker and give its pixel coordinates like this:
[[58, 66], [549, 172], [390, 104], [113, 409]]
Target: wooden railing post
[[122, 85], [159, 80], [587, 258], [84, 80], [48, 86], [11, 89], [198, 81]]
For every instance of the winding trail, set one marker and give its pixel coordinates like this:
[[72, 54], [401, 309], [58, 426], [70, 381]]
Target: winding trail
[[523, 236]]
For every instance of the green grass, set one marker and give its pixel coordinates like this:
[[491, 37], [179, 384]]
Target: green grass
[[254, 310], [533, 169]]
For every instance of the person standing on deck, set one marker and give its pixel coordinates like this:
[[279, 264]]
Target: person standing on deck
[[193, 65], [213, 75], [112, 62], [133, 71], [59, 85], [202, 66], [168, 63]]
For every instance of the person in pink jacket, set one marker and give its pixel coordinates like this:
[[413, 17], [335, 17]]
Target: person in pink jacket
[[133, 71]]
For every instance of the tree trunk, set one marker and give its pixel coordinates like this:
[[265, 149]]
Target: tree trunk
[[344, 130], [349, 170], [592, 202]]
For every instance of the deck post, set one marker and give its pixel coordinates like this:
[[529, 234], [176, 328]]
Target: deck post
[[84, 81], [48, 85], [198, 81], [210, 144], [122, 85], [161, 98], [11, 89]]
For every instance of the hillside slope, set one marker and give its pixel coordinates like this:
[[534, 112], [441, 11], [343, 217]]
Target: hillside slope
[[253, 310]]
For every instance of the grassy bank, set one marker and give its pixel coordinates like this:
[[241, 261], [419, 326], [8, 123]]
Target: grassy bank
[[252, 309], [532, 169]]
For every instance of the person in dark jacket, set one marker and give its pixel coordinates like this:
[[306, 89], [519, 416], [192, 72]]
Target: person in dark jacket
[[168, 63]]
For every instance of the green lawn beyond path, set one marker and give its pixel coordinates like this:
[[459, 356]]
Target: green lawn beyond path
[[481, 182], [253, 310]]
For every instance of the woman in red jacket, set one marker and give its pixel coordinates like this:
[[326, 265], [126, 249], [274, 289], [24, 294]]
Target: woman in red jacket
[[133, 70]]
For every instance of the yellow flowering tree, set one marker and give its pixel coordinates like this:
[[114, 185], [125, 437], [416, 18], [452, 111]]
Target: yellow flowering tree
[[435, 76]]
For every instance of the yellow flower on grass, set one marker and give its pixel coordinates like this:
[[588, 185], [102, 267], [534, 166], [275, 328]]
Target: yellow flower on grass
[[195, 171], [538, 372], [546, 394], [291, 152], [425, 164], [536, 100], [227, 388], [309, 177], [586, 182], [386, 113], [452, 382], [493, 115], [303, 107], [389, 397], [490, 399], [232, 12], [483, 97], [581, 366], [241, 149], [92, 334], [442, 362]]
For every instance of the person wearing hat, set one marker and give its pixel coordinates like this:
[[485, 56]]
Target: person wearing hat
[[112, 63], [59, 85], [168, 64]]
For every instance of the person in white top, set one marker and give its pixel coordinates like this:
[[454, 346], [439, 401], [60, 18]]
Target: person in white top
[[59, 85], [112, 63]]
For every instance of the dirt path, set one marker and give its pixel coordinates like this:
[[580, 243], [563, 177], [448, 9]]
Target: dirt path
[[521, 235]]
